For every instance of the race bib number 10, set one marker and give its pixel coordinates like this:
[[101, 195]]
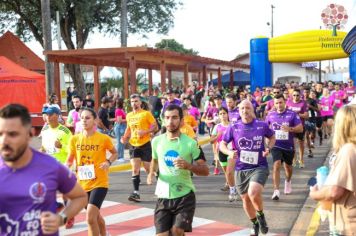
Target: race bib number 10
[[86, 172], [249, 157]]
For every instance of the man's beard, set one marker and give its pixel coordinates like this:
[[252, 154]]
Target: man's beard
[[17, 155], [173, 131]]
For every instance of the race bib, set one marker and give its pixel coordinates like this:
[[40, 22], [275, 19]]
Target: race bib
[[325, 108], [310, 113], [51, 150], [337, 101], [162, 189], [249, 157], [281, 135], [86, 172], [350, 98]]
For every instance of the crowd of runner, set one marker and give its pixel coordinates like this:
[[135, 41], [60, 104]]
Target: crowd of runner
[[244, 128]]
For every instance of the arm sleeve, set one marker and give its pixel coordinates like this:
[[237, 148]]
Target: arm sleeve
[[228, 134], [154, 148], [65, 178], [195, 150], [71, 146], [268, 131]]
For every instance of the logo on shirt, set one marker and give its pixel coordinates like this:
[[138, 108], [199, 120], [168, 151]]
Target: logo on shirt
[[8, 226], [38, 192], [245, 143], [169, 157]]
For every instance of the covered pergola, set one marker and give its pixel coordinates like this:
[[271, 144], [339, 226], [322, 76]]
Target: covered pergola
[[133, 58]]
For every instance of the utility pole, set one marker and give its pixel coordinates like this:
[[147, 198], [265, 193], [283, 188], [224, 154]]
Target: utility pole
[[47, 44], [123, 24], [272, 7]]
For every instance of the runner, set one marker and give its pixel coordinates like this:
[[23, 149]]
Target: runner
[[73, 115], [327, 103], [88, 151], [140, 126], [350, 90], [173, 154], [29, 181], [301, 108], [55, 140], [249, 160], [120, 127], [285, 123], [318, 118], [310, 124], [103, 123], [234, 115], [216, 138]]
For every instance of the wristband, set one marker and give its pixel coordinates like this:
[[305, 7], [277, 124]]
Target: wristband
[[109, 162]]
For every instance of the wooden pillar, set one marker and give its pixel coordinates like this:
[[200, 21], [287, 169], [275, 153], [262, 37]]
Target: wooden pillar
[[199, 79], [56, 84], [163, 75], [170, 85], [150, 81], [204, 76], [96, 88], [231, 80], [211, 76], [126, 83], [133, 75], [219, 79], [186, 76]]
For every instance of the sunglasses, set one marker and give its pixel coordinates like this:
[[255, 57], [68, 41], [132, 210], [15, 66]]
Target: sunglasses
[[296, 95]]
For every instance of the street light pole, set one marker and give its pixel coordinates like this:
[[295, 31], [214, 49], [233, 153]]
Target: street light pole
[[272, 7]]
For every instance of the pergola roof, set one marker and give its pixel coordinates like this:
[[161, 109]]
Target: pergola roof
[[147, 58]]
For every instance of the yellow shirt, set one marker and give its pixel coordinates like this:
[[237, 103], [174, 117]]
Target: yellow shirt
[[187, 130], [90, 151], [141, 120], [189, 120]]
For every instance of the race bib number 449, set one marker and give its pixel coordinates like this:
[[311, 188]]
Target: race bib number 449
[[249, 157], [86, 172]]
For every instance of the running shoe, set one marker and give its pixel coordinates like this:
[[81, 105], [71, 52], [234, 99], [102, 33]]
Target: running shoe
[[275, 195], [262, 223], [70, 223], [216, 171], [287, 187], [134, 197], [255, 229], [121, 160], [320, 141], [325, 136], [225, 188], [310, 155], [232, 197], [60, 207], [312, 145], [301, 165]]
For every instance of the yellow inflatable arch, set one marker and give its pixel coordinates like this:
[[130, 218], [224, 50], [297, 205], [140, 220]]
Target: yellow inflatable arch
[[311, 45]]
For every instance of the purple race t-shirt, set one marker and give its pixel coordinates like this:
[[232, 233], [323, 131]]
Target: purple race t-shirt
[[275, 120], [212, 113], [234, 115], [249, 142], [28, 191]]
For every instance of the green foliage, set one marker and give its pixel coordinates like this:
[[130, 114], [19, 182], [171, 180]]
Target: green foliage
[[173, 45], [80, 17]]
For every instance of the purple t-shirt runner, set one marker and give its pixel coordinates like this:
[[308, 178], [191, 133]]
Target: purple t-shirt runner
[[212, 113], [275, 120], [176, 101], [234, 115], [249, 142], [28, 191]]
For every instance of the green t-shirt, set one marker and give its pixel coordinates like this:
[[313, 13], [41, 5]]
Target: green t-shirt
[[49, 137], [172, 182]]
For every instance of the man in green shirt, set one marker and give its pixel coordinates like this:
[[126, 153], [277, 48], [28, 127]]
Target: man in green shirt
[[55, 137], [173, 154]]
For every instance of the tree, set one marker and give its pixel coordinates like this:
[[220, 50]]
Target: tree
[[173, 45], [79, 18]]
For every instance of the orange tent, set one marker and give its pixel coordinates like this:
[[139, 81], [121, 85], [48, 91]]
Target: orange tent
[[19, 85]]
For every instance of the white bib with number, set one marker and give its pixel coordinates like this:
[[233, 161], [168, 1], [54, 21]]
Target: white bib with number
[[281, 135], [325, 108], [337, 101], [350, 98], [86, 172], [162, 189], [249, 157]]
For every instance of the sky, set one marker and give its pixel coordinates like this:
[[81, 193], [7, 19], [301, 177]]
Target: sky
[[222, 29]]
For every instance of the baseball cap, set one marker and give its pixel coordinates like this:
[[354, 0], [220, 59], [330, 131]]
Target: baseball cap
[[170, 91], [51, 110], [218, 97]]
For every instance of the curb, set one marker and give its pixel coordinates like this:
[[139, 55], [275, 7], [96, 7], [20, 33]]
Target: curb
[[127, 166]]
